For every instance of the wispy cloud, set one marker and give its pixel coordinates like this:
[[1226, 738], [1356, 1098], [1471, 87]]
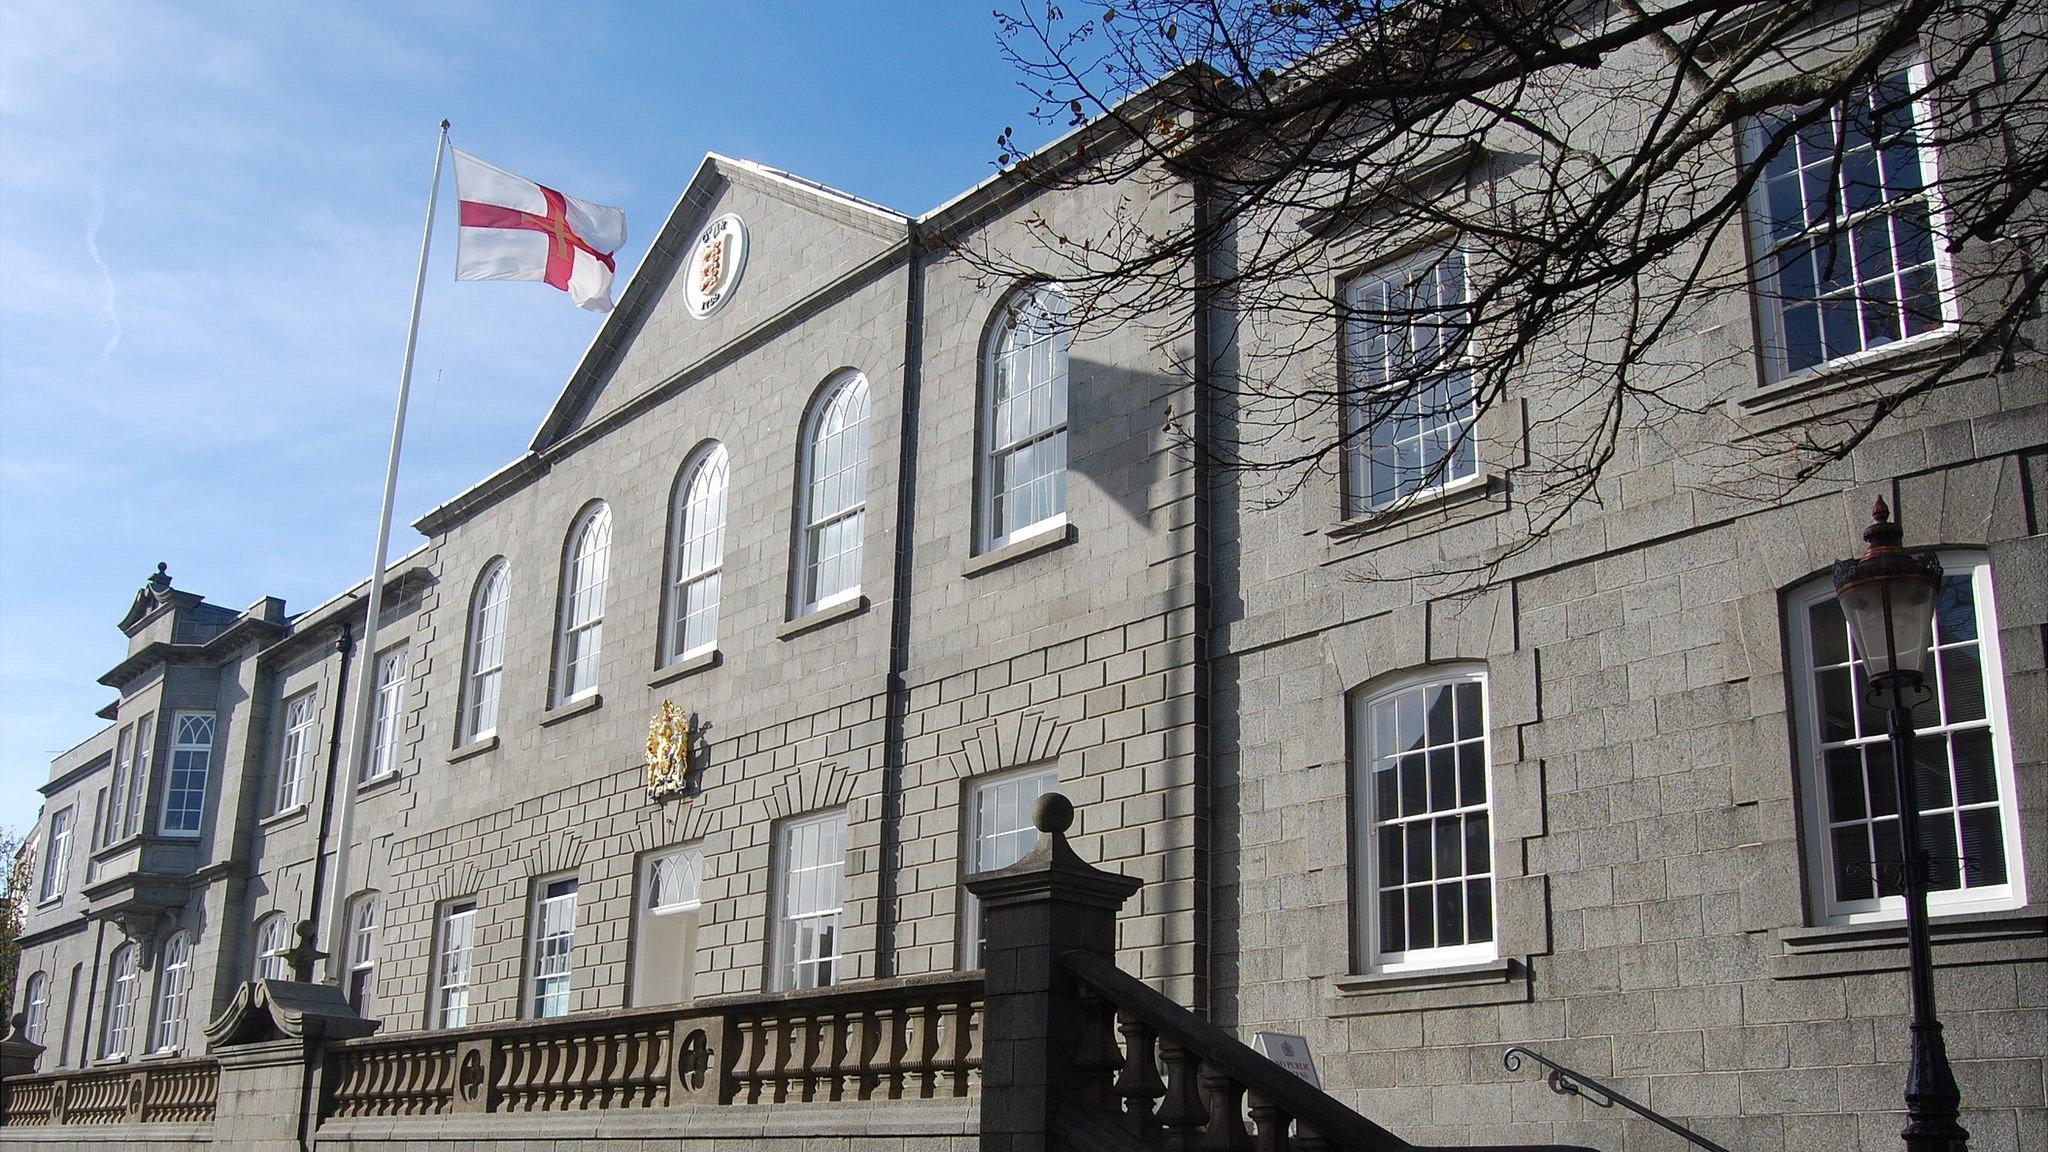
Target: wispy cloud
[[94, 218]]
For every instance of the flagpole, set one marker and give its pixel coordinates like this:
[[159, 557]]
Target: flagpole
[[366, 681]]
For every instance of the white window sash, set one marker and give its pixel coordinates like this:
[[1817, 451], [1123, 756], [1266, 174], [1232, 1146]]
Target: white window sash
[[173, 989], [1770, 299], [1442, 474], [267, 963], [697, 557], [584, 577], [836, 437], [1371, 826], [56, 855], [804, 908], [1010, 830], [486, 657], [458, 928], [1001, 364], [1830, 908], [553, 944]]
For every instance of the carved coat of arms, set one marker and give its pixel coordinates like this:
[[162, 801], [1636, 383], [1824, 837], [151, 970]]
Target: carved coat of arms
[[716, 260], [668, 753]]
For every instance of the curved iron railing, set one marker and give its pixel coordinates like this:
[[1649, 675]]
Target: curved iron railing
[[1571, 1082]]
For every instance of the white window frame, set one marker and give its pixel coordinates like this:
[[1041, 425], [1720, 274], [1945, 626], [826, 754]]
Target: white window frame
[[1001, 361], [266, 954], [1770, 301], [579, 631], [833, 416], [35, 1000], [484, 659], [684, 866], [791, 873], [124, 769], [1810, 749], [696, 559], [387, 714], [362, 955], [542, 992], [1368, 823], [56, 854], [173, 993], [190, 757], [295, 756], [454, 955], [124, 981], [1443, 474], [1019, 789]]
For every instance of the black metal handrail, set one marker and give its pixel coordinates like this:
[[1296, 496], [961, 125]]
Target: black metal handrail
[[1571, 1082]]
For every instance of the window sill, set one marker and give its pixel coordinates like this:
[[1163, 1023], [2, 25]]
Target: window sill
[[283, 817], [1502, 981], [474, 749], [1046, 541], [819, 618], [1860, 368], [1958, 941], [118, 846], [376, 784], [1469, 490], [577, 707], [687, 666]]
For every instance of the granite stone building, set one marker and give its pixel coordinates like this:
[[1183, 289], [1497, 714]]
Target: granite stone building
[[906, 550]]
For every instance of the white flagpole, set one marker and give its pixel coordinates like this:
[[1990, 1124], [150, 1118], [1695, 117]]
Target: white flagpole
[[366, 681]]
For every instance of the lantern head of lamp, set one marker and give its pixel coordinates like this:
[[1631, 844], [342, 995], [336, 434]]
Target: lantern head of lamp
[[1888, 596]]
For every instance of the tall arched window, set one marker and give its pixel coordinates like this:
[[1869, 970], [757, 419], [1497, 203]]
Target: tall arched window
[[122, 978], [696, 530], [1023, 474], [362, 953], [173, 988], [584, 567], [486, 658], [36, 1007], [833, 495], [268, 962]]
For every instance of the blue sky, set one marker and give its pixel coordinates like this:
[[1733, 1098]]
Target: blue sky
[[209, 217]]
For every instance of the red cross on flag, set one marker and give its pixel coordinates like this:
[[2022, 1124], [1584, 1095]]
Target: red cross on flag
[[515, 229]]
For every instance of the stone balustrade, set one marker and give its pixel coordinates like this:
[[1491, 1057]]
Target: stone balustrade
[[915, 1038], [169, 1092]]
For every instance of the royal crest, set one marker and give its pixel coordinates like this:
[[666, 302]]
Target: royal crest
[[716, 261], [668, 753]]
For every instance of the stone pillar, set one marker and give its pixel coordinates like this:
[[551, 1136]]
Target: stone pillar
[[272, 1043], [1035, 911], [18, 1053]]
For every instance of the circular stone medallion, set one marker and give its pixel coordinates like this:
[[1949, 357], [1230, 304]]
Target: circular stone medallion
[[716, 261]]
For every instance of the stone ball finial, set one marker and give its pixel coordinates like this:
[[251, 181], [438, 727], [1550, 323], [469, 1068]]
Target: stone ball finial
[[1053, 814]]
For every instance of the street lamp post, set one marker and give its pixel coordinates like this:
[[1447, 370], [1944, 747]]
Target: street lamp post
[[1888, 597]]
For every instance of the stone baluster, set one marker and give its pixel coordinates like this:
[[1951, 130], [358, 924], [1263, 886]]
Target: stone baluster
[[1096, 1056], [821, 1079], [1181, 1114], [888, 1060], [746, 1067], [509, 1072], [793, 1034], [918, 1048], [957, 1035], [971, 1027], [1226, 1132], [851, 1070], [1272, 1122], [1139, 1084], [1308, 1139]]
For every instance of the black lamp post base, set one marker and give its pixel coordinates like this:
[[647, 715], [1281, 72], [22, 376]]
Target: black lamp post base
[[1932, 1098]]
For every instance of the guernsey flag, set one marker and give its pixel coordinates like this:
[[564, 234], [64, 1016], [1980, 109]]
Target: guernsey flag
[[515, 229]]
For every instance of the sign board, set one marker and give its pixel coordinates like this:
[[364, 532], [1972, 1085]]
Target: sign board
[[1289, 1052]]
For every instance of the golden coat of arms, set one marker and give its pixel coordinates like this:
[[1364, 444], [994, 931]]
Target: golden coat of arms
[[668, 753]]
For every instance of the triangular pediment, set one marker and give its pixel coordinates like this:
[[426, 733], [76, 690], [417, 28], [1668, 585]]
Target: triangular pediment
[[801, 239]]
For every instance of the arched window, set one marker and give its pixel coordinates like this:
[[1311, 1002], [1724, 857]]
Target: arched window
[[122, 978], [173, 988], [1422, 799], [362, 953], [1962, 747], [584, 567], [833, 495], [36, 1007], [1024, 419], [268, 963], [696, 530], [486, 652]]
